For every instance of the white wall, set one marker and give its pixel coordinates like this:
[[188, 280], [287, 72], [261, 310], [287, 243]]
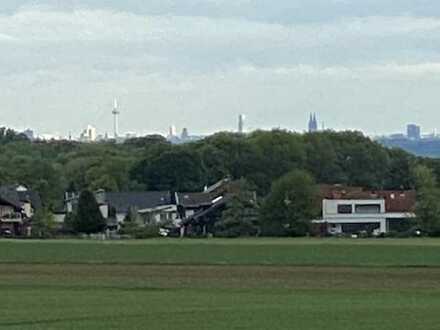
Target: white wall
[[28, 210], [335, 220], [330, 206], [59, 218], [104, 211]]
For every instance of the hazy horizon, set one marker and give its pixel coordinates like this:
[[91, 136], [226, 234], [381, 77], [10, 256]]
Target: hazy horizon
[[199, 63]]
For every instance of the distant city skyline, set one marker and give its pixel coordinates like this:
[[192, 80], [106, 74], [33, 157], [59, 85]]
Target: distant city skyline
[[182, 134], [370, 66]]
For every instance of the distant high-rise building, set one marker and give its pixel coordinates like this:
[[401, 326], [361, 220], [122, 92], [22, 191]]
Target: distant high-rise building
[[185, 134], [172, 131], [89, 134], [116, 114], [241, 122], [313, 123], [413, 132]]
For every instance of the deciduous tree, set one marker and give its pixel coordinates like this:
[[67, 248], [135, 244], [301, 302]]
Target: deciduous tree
[[290, 206], [428, 197]]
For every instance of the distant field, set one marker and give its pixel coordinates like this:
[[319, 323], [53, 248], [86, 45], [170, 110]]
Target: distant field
[[220, 284], [293, 252]]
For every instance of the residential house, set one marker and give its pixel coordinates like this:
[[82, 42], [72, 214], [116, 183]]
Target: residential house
[[200, 211], [347, 210], [149, 207], [177, 212], [17, 207], [189, 204]]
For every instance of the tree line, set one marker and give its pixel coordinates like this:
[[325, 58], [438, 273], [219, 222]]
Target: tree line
[[263, 159]]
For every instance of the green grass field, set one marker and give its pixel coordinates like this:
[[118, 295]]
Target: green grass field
[[220, 284]]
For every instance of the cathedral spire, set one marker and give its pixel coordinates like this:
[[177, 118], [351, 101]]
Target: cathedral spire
[[313, 123]]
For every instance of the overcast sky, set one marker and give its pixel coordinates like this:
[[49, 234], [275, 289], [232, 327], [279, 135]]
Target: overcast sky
[[372, 65]]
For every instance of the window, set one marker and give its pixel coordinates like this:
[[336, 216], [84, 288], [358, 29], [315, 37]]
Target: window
[[345, 209], [368, 208]]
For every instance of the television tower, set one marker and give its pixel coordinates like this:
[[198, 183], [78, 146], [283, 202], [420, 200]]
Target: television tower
[[241, 120], [116, 114]]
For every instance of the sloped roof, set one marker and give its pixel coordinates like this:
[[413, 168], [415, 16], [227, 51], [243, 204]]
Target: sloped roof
[[123, 201], [343, 192], [31, 196], [195, 199], [399, 201], [204, 213], [10, 197], [395, 200]]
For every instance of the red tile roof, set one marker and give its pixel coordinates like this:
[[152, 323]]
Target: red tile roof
[[399, 201], [395, 200]]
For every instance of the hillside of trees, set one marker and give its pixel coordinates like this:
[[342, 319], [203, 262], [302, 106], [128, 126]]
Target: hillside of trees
[[151, 163]]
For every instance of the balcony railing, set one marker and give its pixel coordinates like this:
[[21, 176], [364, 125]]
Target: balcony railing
[[12, 218]]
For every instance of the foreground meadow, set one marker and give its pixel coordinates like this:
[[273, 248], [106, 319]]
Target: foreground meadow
[[220, 284]]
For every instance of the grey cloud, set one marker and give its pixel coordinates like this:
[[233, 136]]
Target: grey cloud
[[284, 11], [198, 63]]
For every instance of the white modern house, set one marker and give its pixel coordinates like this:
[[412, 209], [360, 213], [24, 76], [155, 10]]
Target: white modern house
[[365, 211]]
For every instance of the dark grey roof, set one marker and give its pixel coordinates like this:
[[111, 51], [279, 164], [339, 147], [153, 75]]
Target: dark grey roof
[[31, 196], [10, 196], [205, 213], [123, 201], [195, 199]]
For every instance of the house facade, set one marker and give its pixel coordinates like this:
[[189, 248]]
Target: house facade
[[148, 207], [354, 210], [17, 208], [203, 210]]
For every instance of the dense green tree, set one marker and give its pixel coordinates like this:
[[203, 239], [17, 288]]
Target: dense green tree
[[88, 218], [277, 153], [290, 206], [179, 169], [8, 135], [400, 174], [68, 227], [322, 159], [214, 165], [146, 142], [230, 154], [43, 224], [241, 216], [428, 197], [363, 162]]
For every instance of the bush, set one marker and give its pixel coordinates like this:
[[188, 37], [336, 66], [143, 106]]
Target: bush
[[43, 224], [150, 231], [133, 230]]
